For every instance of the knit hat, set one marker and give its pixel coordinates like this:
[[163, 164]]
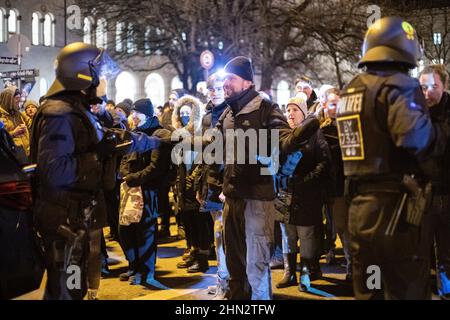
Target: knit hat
[[125, 107], [144, 106], [300, 102], [30, 102], [240, 66]]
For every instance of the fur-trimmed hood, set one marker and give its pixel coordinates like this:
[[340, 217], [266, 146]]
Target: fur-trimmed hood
[[195, 120]]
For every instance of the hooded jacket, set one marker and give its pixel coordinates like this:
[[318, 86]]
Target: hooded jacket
[[188, 173], [12, 118]]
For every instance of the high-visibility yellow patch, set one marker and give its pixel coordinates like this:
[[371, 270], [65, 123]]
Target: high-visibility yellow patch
[[84, 77], [409, 30], [351, 137]]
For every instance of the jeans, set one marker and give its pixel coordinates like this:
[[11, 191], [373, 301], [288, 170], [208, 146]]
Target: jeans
[[222, 271]]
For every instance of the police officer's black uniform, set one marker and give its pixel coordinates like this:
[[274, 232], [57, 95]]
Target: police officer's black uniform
[[385, 131], [74, 163]]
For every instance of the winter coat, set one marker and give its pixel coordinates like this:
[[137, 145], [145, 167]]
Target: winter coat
[[336, 186], [438, 168], [309, 182], [11, 120], [187, 172], [210, 181], [246, 111], [148, 169]]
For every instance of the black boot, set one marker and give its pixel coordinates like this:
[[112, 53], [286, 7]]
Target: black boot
[[290, 277], [305, 272], [315, 270], [200, 264], [190, 260]]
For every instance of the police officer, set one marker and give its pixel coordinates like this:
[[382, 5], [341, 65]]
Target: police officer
[[73, 153], [385, 132]]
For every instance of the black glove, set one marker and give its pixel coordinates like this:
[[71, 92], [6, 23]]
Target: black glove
[[309, 126], [107, 146]]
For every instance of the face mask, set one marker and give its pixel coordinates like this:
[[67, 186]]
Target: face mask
[[184, 120], [142, 118]]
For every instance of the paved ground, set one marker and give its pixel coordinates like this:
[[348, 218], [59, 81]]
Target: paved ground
[[187, 286]]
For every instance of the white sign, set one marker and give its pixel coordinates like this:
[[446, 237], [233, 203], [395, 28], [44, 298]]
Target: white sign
[[207, 59]]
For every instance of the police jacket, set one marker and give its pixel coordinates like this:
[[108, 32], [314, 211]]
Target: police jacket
[[250, 112], [71, 172], [384, 126]]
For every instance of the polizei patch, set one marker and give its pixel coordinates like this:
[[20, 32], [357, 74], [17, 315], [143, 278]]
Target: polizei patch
[[350, 137]]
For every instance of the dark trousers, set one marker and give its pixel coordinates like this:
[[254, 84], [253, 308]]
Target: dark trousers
[[64, 282], [402, 262], [187, 218], [164, 206], [202, 225], [139, 240], [112, 198], [437, 230]]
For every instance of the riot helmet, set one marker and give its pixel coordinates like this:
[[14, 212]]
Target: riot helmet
[[391, 40], [80, 66]]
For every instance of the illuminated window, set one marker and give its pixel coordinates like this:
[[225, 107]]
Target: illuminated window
[[87, 31], [437, 38], [101, 33], [125, 86], [176, 83], [36, 28], [119, 34], [131, 46], [49, 30], [43, 87], [154, 89], [13, 21], [283, 93]]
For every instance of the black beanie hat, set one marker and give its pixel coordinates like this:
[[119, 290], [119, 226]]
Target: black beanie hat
[[144, 106], [241, 66]]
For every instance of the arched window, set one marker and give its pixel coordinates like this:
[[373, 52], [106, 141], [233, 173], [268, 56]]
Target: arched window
[[49, 30], [154, 89], [283, 93], [13, 21], [87, 31], [43, 87], [147, 45], [119, 36], [125, 86], [36, 28], [176, 83], [131, 46], [101, 33]]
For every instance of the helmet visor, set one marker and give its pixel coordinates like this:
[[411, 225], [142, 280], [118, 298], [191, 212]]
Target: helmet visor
[[105, 66]]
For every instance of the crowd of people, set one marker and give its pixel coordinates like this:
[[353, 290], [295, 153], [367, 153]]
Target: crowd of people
[[249, 222]]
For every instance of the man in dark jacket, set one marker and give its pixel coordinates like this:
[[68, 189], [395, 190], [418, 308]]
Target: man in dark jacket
[[434, 81], [385, 136], [249, 183], [147, 170], [74, 154]]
